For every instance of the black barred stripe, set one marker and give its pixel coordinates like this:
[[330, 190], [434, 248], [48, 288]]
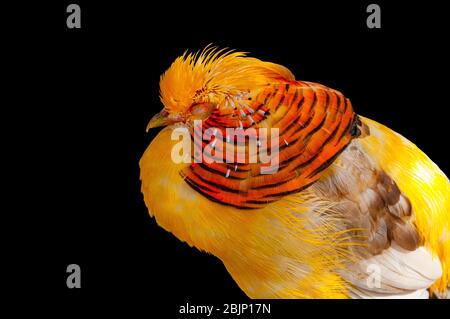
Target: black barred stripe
[[287, 87], [327, 162], [314, 130], [275, 184], [329, 138], [283, 97], [294, 98], [212, 198], [301, 115], [311, 114], [290, 192], [308, 121], [192, 183], [345, 105], [231, 166], [293, 144], [256, 106], [288, 107], [195, 134], [261, 202], [307, 162], [268, 98], [216, 172], [280, 102], [346, 130], [338, 105], [294, 121], [305, 125], [218, 186]]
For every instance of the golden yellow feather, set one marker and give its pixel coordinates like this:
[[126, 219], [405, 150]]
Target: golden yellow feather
[[260, 248], [424, 184], [285, 249], [212, 75], [250, 243]]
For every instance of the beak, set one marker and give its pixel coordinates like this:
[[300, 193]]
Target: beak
[[159, 119]]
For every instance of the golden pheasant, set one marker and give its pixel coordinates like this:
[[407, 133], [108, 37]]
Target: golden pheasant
[[349, 208]]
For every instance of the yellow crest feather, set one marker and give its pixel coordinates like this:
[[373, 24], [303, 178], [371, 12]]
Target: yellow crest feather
[[213, 74]]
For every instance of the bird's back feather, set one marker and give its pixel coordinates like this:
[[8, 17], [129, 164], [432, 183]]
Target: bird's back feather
[[337, 204], [424, 184]]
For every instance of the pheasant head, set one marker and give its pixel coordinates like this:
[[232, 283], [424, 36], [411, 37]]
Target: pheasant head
[[197, 83]]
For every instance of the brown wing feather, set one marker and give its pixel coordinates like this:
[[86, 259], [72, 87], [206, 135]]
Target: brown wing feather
[[369, 201]]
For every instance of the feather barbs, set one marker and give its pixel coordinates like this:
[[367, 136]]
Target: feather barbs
[[212, 75]]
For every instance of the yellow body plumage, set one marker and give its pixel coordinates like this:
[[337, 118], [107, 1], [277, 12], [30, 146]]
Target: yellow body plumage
[[287, 248], [250, 242], [422, 182]]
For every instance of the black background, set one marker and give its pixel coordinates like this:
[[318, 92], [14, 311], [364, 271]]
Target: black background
[[87, 95]]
